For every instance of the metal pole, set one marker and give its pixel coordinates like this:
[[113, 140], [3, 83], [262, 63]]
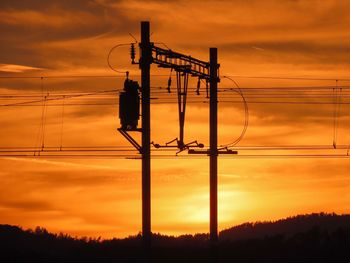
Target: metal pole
[[145, 66], [213, 145]]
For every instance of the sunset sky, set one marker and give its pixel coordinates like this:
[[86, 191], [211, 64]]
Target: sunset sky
[[102, 196]]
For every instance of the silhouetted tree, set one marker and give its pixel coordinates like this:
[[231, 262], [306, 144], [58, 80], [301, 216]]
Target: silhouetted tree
[[304, 238]]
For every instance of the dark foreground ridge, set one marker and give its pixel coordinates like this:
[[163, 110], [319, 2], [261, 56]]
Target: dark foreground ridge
[[304, 238]]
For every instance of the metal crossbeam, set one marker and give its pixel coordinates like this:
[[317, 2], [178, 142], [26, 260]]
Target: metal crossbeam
[[167, 58]]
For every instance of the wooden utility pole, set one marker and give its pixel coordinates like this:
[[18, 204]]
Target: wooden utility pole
[[145, 66], [213, 151]]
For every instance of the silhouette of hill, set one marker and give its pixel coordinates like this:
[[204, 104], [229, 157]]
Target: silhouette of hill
[[304, 238], [288, 226]]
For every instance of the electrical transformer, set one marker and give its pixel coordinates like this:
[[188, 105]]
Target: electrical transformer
[[129, 105]]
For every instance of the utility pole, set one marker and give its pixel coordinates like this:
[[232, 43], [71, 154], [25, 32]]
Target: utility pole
[[184, 66], [213, 150], [145, 66]]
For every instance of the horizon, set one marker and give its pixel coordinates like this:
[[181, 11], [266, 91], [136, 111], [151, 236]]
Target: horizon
[[139, 234], [261, 45]]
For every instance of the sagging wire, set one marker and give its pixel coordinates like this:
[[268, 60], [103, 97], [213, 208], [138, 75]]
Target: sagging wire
[[246, 115], [37, 137], [162, 43], [40, 138], [44, 121], [62, 122], [337, 103], [133, 38]]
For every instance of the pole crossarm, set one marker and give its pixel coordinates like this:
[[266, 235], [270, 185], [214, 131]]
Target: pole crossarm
[[167, 58]]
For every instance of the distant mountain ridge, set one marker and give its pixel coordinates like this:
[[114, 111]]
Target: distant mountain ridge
[[288, 226], [318, 237]]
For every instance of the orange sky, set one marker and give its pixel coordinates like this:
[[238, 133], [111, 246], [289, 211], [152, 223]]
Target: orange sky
[[101, 197]]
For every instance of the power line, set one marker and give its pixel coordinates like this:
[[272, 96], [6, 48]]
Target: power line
[[266, 95], [124, 156], [60, 98], [63, 77], [189, 101], [62, 122], [122, 74], [119, 75], [60, 149], [289, 78]]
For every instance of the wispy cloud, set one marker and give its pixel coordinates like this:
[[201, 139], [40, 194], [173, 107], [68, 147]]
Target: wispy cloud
[[79, 166], [17, 68]]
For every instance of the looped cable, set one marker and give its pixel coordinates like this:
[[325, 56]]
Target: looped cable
[[109, 54], [246, 113]]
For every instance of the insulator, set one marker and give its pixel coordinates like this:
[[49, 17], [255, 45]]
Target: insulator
[[198, 86], [169, 81], [132, 53], [169, 85]]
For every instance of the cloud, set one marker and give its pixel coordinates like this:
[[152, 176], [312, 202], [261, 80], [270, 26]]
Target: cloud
[[17, 68], [64, 164], [47, 34], [60, 20], [26, 205], [289, 51]]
